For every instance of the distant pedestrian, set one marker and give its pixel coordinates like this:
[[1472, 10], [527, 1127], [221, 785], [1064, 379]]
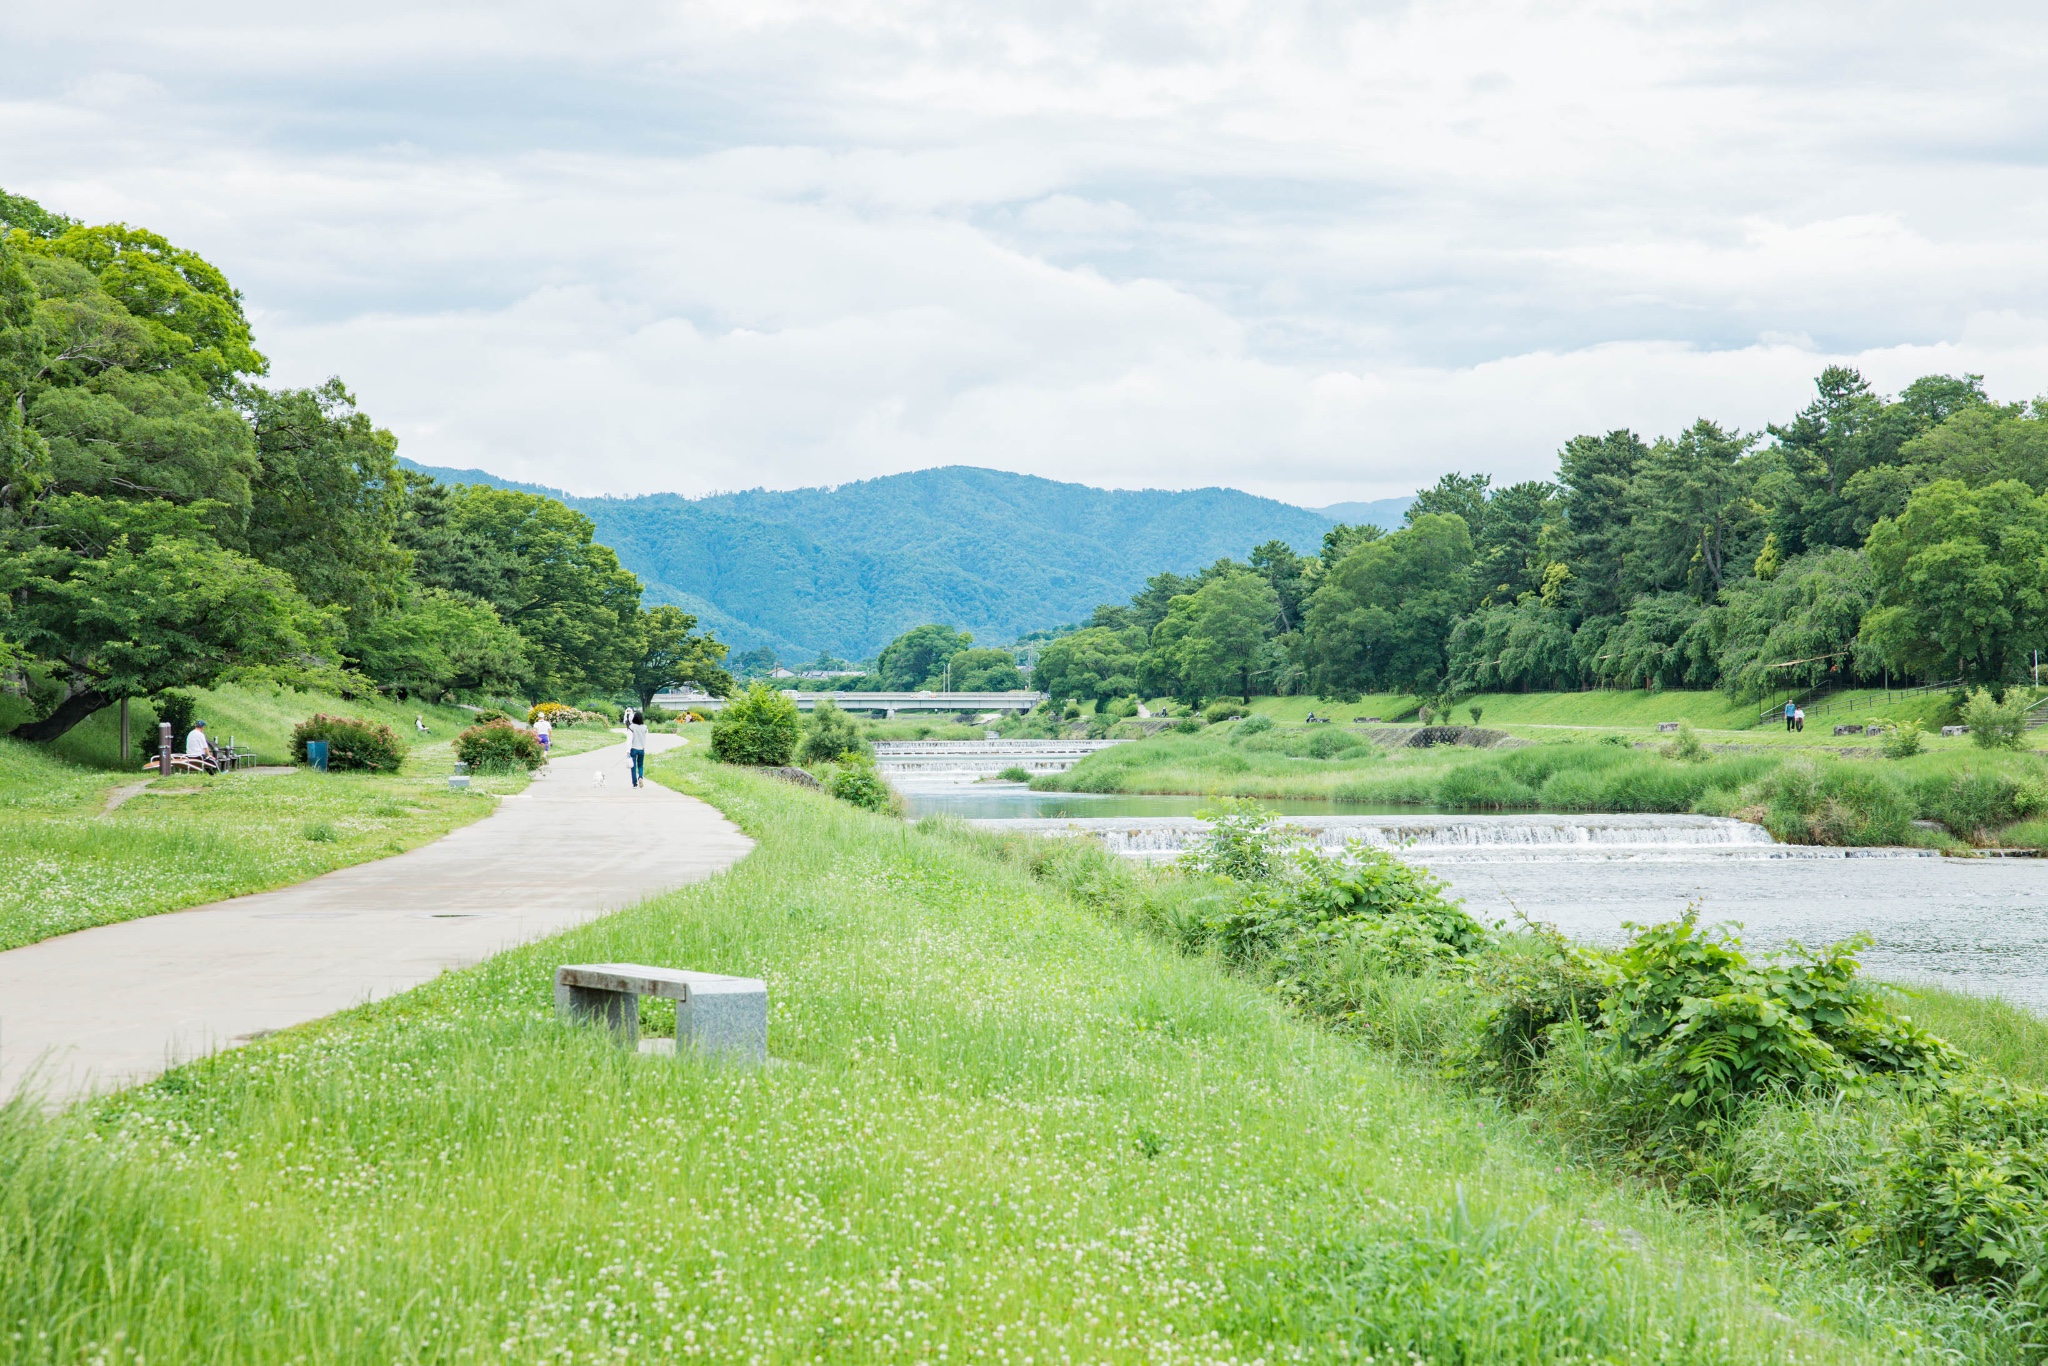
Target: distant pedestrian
[[1791, 713], [636, 743], [543, 731], [1799, 719]]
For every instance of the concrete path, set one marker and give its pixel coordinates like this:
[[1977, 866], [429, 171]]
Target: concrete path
[[112, 1006]]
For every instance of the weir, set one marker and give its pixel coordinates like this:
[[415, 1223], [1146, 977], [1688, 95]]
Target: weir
[[1473, 838]]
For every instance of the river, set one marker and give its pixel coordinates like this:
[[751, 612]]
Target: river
[[1973, 924]]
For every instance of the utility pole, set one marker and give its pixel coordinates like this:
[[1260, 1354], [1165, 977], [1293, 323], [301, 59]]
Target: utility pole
[[124, 727]]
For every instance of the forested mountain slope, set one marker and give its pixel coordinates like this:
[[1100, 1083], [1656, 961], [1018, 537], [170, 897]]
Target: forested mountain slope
[[846, 569]]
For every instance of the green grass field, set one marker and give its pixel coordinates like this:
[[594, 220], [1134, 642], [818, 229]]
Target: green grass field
[[1002, 1128], [67, 863]]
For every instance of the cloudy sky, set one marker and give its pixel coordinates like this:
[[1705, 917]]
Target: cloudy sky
[[1319, 251]]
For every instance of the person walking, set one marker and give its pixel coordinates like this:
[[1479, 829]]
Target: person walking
[[636, 742], [1799, 719], [1789, 710], [543, 731]]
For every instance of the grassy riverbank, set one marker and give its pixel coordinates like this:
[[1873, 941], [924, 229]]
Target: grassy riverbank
[[1980, 797], [68, 862], [1005, 1127]]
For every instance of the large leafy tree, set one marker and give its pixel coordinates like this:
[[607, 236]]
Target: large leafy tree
[[1962, 581], [135, 619], [437, 642], [985, 671], [1228, 625], [917, 658], [672, 652], [326, 501], [538, 564], [1094, 663], [1798, 627], [1381, 618]]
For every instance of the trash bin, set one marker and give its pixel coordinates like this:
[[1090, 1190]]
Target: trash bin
[[316, 755]]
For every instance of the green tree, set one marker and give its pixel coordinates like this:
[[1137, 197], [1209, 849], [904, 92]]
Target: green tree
[[1511, 550], [1381, 619], [1798, 627], [132, 621], [672, 653], [437, 642], [1595, 473], [1230, 618], [1150, 606], [327, 500], [1694, 521], [538, 563], [918, 657], [830, 736], [1094, 663], [1508, 647], [985, 671], [1286, 573], [24, 456], [1962, 582], [1460, 495]]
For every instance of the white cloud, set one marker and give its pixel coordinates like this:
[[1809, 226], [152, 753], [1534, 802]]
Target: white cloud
[[1313, 252]]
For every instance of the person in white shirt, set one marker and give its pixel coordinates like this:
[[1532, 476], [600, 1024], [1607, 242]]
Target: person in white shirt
[[541, 731], [195, 743], [636, 742]]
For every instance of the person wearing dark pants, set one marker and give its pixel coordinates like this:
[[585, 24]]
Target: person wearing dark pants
[[636, 742]]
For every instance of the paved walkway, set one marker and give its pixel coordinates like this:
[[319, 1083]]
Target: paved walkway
[[112, 1006]]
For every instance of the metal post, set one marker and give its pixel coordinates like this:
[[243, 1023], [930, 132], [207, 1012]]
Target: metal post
[[124, 732], [163, 748]]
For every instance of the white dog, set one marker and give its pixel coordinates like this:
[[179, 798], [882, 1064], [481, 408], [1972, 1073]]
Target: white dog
[[600, 778]]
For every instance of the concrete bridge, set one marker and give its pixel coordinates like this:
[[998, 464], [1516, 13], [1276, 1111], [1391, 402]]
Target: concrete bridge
[[887, 703]]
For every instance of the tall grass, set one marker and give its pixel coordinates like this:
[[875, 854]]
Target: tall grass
[[1003, 1128]]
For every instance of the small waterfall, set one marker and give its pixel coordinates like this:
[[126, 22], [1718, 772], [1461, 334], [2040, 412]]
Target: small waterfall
[[1434, 839], [965, 761]]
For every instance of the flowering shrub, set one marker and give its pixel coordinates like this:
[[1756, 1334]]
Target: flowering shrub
[[497, 747], [351, 743]]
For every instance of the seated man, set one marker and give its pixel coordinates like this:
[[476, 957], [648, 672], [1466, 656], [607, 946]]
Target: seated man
[[199, 750]]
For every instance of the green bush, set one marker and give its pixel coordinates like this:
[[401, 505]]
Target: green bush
[[178, 707], [486, 715], [830, 736], [1255, 725], [1483, 787], [352, 743], [1187, 725], [1902, 739], [1014, 774], [1808, 803], [1974, 804], [499, 747], [1328, 744], [857, 782], [1122, 707], [1996, 725], [760, 726], [1224, 711]]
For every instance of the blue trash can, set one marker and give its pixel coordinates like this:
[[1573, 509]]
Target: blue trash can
[[316, 754]]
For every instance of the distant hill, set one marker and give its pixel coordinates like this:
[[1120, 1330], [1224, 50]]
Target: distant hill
[[846, 569], [1384, 514]]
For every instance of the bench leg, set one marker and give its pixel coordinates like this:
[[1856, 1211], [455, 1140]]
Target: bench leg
[[618, 1011], [727, 1026]]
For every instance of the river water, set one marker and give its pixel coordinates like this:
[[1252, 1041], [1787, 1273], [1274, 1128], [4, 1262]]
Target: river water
[[1973, 924]]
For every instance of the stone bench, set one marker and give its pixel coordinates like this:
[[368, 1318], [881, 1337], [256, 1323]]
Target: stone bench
[[716, 1016]]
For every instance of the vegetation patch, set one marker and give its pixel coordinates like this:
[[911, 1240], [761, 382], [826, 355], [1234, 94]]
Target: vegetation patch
[[1011, 1122]]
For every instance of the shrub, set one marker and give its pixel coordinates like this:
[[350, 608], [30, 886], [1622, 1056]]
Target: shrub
[[831, 735], [1328, 744], [1241, 845], [487, 715], [1902, 739], [1810, 804], [351, 743], [1996, 725], [1974, 804], [761, 726], [1482, 786], [178, 707], [1255, 725], [1687, 748], [1014, 774], [1187, 725], [1122, 707], [553, 712], [1224, 711], [858, 783], [1475, 713], [499, 747]]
